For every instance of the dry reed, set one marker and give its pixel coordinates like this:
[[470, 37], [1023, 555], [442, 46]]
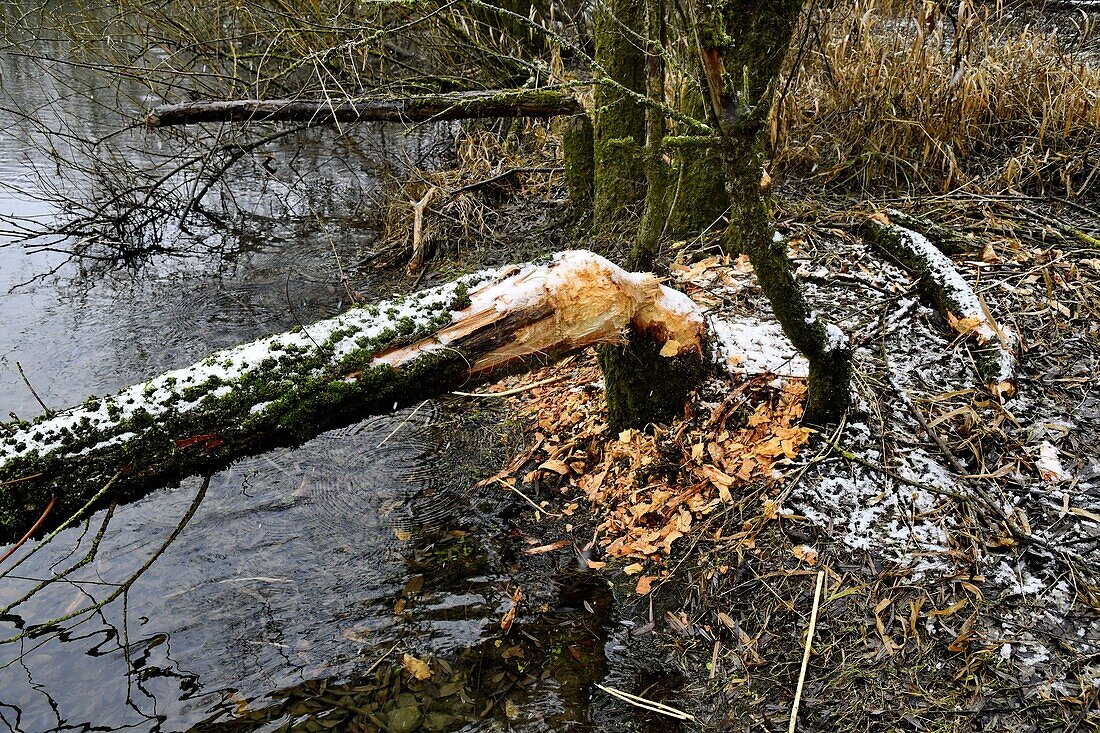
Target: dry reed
[[889, 94]]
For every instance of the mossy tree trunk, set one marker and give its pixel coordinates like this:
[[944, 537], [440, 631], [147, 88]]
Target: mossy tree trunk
[[697, 199], [620, 120], [285, 389], [742, 44], [577, 158], [644, 385]]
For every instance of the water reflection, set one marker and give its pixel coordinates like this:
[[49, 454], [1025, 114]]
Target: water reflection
[[292, 569], [305, 574]]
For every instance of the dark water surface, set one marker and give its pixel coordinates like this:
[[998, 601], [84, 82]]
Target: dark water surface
[[308, 571]]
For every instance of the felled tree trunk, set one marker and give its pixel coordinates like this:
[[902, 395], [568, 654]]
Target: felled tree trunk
[[285, 389], [537, 103], [947, 290]]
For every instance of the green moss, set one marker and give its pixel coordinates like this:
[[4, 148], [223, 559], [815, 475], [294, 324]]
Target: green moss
[[461, 299], [644, 387]]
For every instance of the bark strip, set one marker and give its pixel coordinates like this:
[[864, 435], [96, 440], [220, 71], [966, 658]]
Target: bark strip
[[537, 103], [285, 389]]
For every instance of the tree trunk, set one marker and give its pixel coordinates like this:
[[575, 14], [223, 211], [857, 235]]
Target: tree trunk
[[742, 44], [642, 385], [285, 389], [538, 103], [620, 125], [577, 157], [698, 200]]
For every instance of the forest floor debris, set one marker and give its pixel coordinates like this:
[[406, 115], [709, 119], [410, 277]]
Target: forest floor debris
[[957, 527]]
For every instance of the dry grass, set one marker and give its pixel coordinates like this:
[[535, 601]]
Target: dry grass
[[462, 203], [890, 94]]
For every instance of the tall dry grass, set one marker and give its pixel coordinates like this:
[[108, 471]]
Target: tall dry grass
[[888, 94]]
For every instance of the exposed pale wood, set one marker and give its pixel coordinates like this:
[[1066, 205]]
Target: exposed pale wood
[[285, 389]]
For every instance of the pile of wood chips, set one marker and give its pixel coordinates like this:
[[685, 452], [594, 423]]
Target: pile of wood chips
[[645, 490], [648, 489]]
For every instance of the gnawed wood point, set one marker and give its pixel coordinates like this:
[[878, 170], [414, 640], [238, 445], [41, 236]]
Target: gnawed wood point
[[285, 389]]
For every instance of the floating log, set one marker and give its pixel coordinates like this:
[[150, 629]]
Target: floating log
[[285, 389], [535, 103]]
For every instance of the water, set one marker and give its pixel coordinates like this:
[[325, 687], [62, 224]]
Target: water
[[305, 574]]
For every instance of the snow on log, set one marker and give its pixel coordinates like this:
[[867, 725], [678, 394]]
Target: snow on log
[[285, 389], [952, 295], [537, 103]]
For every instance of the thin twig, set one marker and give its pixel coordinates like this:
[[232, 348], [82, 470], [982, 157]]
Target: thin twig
[[526, 498], [645, 704], [48, 411], [806, 654], [402, 424], [514, 390], [30, 532]]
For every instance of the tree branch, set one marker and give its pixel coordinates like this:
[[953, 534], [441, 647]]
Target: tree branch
[[538, 103]]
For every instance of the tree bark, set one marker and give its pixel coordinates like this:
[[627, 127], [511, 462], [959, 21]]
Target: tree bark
[[537, 103], [643, 386], [947, 290], [742, 44], [577, 157], [285, 389], [698, 200], [620, 124]]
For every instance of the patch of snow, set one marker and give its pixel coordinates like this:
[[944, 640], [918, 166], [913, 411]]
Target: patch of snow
[[753, 346], [869, 511], [834, 337], [1019, 584]]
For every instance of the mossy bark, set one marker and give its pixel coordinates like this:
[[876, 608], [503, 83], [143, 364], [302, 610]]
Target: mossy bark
[[942, 286], [528, 42], [620, 122], [288, 388], [644, 387], [577, 158], [741, 47], [698, 200]]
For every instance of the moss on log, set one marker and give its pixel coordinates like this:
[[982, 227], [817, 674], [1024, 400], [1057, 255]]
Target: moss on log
[[537, 103], [284, 389], [947, 290]]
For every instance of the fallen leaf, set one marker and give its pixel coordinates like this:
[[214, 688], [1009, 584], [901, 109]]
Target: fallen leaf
[[989, 255], [805, 553], [418, 668], [965, 326], [645, 584], [557, 466], [634, 568], [1050, 467]]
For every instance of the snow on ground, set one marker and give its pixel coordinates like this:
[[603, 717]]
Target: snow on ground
[[753, 346]]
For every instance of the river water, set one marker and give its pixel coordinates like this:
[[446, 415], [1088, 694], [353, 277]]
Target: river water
[[305, 575]]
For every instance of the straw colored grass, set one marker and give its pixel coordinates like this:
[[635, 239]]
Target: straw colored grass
[[889, 94]]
